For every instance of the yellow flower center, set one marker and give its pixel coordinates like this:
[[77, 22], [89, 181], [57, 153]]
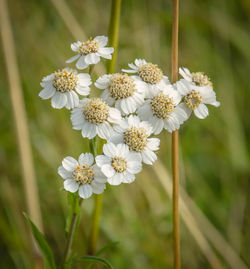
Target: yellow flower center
[[65, 80], [193, 99], [121, 86], [150, 73], [135, 138], [162, 106], [87, 47], [200, 79], [83, 174], [96, 111], [119, 164]]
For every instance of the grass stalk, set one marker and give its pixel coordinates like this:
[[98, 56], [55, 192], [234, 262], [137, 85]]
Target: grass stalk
[[175, 165], [20, 119]]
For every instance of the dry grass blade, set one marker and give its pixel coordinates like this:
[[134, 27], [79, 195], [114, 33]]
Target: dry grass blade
[[194, 219], [20, 118]]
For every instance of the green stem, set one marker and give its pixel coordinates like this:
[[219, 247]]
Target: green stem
[[114, 25], [113, 42], [71, 235]]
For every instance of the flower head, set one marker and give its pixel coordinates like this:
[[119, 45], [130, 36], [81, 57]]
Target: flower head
[[95, 117], [119, 164], [149, 73], [163, 110], [124, 91], [90, 51], [135, 134], [62, 85], [83, 175], [195, 99]]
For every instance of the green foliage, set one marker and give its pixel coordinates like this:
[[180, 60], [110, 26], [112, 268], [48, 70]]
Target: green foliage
[[91, 259], [42, 244]]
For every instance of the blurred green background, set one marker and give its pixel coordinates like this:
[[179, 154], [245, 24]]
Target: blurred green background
[[214, 153]]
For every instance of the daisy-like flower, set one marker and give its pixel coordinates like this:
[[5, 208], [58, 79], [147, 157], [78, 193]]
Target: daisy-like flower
[[83, 175], [119, 164], [196, 98], [163, 110], [62, 85], [197, 78], [95, 117], [126, 92], [150, 73], [135, 134], [89, 52]]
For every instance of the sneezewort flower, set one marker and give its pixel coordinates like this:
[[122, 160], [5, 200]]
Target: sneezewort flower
[[195, 99], [83, 175], [135, 134], [95, 117], [126, 92], [163, 110], [90, 51], [119, 164], [62, 85], [149, 73]]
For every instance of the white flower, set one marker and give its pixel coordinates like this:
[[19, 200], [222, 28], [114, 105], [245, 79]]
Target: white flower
[[82, 175], [196, 97], [61, 85], [95, 117], [126, 92], [163, 110], [89, 52], [118, 164], [135, 134], [150, 73]]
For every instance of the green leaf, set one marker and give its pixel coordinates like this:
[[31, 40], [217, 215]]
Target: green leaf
[[107, 246], [92, 259], [43, 245]]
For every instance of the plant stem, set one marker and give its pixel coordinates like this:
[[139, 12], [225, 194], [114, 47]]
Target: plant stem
[[71, 235], [114, 24], [113, 42], [176, 228]]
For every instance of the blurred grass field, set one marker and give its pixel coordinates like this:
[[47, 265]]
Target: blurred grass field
[[214, 38]]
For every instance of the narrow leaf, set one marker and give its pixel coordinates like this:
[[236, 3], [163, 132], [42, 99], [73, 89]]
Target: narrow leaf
[[43, 245], [92, 259], [106, 247]]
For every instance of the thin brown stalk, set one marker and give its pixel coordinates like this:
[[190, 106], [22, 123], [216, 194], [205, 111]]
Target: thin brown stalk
[[176, 228], [20, 118]]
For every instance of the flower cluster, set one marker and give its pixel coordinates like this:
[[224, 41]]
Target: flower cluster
[[130, 109]]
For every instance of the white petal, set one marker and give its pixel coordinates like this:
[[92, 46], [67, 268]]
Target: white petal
[[92, 58], [69, 163], [148, 157], [128, 105], [201, 111], [114, 115], [89, 130], [86, 158], [153, 143], [116, 179], [47, 92], [97, 187], [157, 124], [70, 185], [102, 160], [103, 40], [102, 82], [105, 130], [83, 90], [81, 64], [109, 149], [77, 118], [116, 139], [72, 100], [134, 167], [72, 59], [108, 170], [59, 100], [64, 173], [128, 178], [85, 191], [74, 46], [122, 150]]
